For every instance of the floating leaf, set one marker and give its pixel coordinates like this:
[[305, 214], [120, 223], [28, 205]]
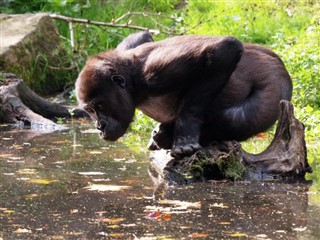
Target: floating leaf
[[117, 235], [103, 187], [238, 235], [91, 173], [110, 220], [5, 155], [27, 171], [181, 203], [41, 181], [300, 229], [31, 196], [199, 235], [7, 139], [113, 226], [219, 205], [153, 215], [95, 152], [224, 223], [22, 230], [8, 211]]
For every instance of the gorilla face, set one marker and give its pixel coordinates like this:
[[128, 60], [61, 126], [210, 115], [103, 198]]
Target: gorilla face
[[102, 91]]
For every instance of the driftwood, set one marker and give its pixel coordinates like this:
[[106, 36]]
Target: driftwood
[[284, 159], [20, 105]]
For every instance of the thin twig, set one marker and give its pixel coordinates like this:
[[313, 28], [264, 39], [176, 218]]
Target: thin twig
[[146, 14], [87, 21], [71, 35]]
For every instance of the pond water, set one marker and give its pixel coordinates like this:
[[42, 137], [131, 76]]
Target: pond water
[[73, 185]]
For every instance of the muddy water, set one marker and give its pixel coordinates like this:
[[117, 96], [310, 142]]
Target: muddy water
[[72, 185]]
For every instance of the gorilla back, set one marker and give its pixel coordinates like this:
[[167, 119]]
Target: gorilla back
[[199, 88]]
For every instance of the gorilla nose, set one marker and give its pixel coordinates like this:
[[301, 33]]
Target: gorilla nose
[[101, 124]]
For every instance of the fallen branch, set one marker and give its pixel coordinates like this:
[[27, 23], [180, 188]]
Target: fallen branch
[[97, 23], [20, 105]]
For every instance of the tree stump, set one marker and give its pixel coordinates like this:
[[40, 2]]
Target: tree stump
[[20, 105], [284, 159]]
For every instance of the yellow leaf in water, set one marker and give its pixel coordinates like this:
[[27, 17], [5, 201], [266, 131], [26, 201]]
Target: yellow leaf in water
[[91, 173], [224, 223], [95, 152], [22, 230], [117, 235], [110, 220], [219, 205], [41, 181], [103, 187], [181, 203], [113, 226], [27, 171], [198, 235], [8, 211], [31, 196], [4, 155], [238, 235]]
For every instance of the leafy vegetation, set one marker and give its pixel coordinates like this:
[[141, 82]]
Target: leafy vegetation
[[291, 28]]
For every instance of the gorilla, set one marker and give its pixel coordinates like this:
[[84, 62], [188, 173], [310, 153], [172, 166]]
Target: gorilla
[[199, 88]]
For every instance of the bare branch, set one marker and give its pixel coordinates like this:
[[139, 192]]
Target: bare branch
[[146, 14], [87, 21]]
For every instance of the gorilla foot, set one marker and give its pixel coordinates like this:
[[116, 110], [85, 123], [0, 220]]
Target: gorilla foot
[[184, 147]]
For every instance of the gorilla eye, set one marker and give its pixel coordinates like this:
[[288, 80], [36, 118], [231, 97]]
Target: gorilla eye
[[90, 110]]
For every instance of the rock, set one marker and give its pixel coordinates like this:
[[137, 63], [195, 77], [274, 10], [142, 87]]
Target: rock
[[30, 48]]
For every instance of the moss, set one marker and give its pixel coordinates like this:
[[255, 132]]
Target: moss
[[231, 167]]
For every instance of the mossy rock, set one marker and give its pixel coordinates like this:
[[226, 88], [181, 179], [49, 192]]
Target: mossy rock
[[32, 50]]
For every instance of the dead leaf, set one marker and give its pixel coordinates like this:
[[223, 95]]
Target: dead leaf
[[113, 226], [95, 152], [41, 181], [5, 155], [8, 211], [110, 220], [91, 173], [22, 230], [238, 235], [153, 215], [103, 187], [198, 235], [117, 235], [224, 223], [219, 205], [7, 139], [31, 196], [300, 229], [181, 203], [27, 171]]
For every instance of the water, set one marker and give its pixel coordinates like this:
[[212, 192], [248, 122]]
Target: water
[[72, 185]]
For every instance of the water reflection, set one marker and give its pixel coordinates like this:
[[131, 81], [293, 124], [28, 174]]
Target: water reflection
[[72, 185]]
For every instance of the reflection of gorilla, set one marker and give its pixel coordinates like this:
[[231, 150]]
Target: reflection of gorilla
[[199, 88]]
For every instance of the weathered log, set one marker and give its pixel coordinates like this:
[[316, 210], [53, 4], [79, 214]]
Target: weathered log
[[20, 105], [285, 158]]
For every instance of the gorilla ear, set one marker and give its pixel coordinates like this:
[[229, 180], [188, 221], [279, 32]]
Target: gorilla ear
[[119, 80]]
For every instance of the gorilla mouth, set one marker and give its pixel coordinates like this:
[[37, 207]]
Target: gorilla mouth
[[107, 136]]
